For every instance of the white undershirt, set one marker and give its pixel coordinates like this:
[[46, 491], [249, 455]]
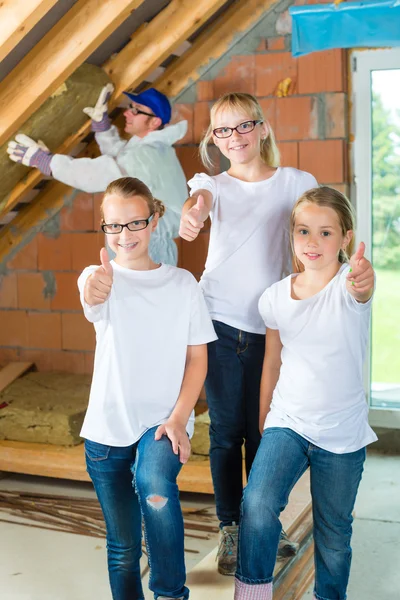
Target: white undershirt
[[320, 392], [142, 334], [249, 241]]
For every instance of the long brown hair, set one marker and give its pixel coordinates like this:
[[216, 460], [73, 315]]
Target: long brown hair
[[128, 187], [327, 196]]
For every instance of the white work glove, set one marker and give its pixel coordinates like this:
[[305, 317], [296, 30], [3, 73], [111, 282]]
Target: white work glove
[[99, 112], [26, 151]]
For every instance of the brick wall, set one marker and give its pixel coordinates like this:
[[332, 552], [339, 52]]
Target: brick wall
[[40, 315]]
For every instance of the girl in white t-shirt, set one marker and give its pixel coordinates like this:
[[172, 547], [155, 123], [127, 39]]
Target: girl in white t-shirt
[[312, 403], [249, 206], [152, 327]]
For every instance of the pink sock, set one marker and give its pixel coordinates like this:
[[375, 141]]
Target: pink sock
[[245, 591]]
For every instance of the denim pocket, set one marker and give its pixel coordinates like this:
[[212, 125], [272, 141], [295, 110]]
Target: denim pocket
[[95, 451]]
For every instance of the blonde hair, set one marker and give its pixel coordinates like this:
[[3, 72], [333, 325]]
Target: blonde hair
[[248, 104], [128, 187], [327, 196]]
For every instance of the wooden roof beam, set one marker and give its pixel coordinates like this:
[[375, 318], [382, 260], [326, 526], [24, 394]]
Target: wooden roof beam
[[31, 218], [17, 17], [155, 42], [64, 48], [146, 50], [210, 45]]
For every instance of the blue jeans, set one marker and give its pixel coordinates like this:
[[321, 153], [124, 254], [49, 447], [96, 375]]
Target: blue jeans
[[233, 387], [282, 458], [132, 483]]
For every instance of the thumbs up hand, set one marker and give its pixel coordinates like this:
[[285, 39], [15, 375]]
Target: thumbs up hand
[[98, 285], [193, 220], [360, 280]]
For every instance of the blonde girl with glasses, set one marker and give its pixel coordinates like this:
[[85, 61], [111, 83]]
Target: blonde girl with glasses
[[249, 206], [152, 327], [312, 403]]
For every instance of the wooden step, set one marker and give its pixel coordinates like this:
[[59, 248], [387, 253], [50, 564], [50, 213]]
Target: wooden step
[[291, 577], [47, 460]]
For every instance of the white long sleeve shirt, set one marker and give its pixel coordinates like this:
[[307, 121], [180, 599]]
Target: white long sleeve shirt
[[151, 159]]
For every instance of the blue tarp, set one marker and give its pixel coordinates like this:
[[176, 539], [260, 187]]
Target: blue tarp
[[370, 23]]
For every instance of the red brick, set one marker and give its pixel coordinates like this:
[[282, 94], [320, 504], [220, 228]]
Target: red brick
[[344, 188], [67, 293], [44, 330], [40, 358], [182, 112], [296, 118], [8, 355], [13, 328], [97, 200], [190, 161], [268, 106], [78, 216], [194, 253], [302, 2], [289, 154], [89, 362], [86, 249], [205, 91], [31, 287], [77, 332], [68, 362], [277, 43], [201, 120], [54, 253], [26, 258], [273, 68], [325, 159], [322, 72], [237, 76], [335, 115], [8, 291]]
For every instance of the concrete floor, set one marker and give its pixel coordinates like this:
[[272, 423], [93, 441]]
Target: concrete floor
[[42, 565], [375, 573]]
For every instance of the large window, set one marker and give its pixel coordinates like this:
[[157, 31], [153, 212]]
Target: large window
[[376, 101]]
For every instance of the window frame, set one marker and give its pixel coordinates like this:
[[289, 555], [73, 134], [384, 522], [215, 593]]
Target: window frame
[[363, 62]]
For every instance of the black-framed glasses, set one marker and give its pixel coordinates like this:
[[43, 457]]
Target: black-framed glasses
[[136, 111], [242, 128], [132, 226]]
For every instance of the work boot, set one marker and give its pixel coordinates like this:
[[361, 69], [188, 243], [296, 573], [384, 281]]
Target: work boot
[[286, 548], [227, 550]]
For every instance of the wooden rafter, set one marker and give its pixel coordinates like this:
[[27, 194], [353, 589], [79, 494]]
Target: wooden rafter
[[210, 45], [65, 47], [155, 42], [17, 17], [32, 217], [146, 50]]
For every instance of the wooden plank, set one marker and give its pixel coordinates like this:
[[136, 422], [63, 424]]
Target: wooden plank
[[146, 50], [17, 17], [32, 217], [84, 27], [11, 372], [211, 45], [205, 582], [65, 462], [44, 460], [155, 42]]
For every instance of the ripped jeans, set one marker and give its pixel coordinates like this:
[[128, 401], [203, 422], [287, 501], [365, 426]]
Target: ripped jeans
[[134, 483]]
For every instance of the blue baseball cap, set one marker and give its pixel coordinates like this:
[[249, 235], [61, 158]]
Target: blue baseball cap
[[156, 101]]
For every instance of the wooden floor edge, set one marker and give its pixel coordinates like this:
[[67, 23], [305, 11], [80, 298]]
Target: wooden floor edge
[[46, 460]]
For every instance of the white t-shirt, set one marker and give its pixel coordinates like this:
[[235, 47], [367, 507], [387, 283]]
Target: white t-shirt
[[142, 334], [320, 392], [249, 242]]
